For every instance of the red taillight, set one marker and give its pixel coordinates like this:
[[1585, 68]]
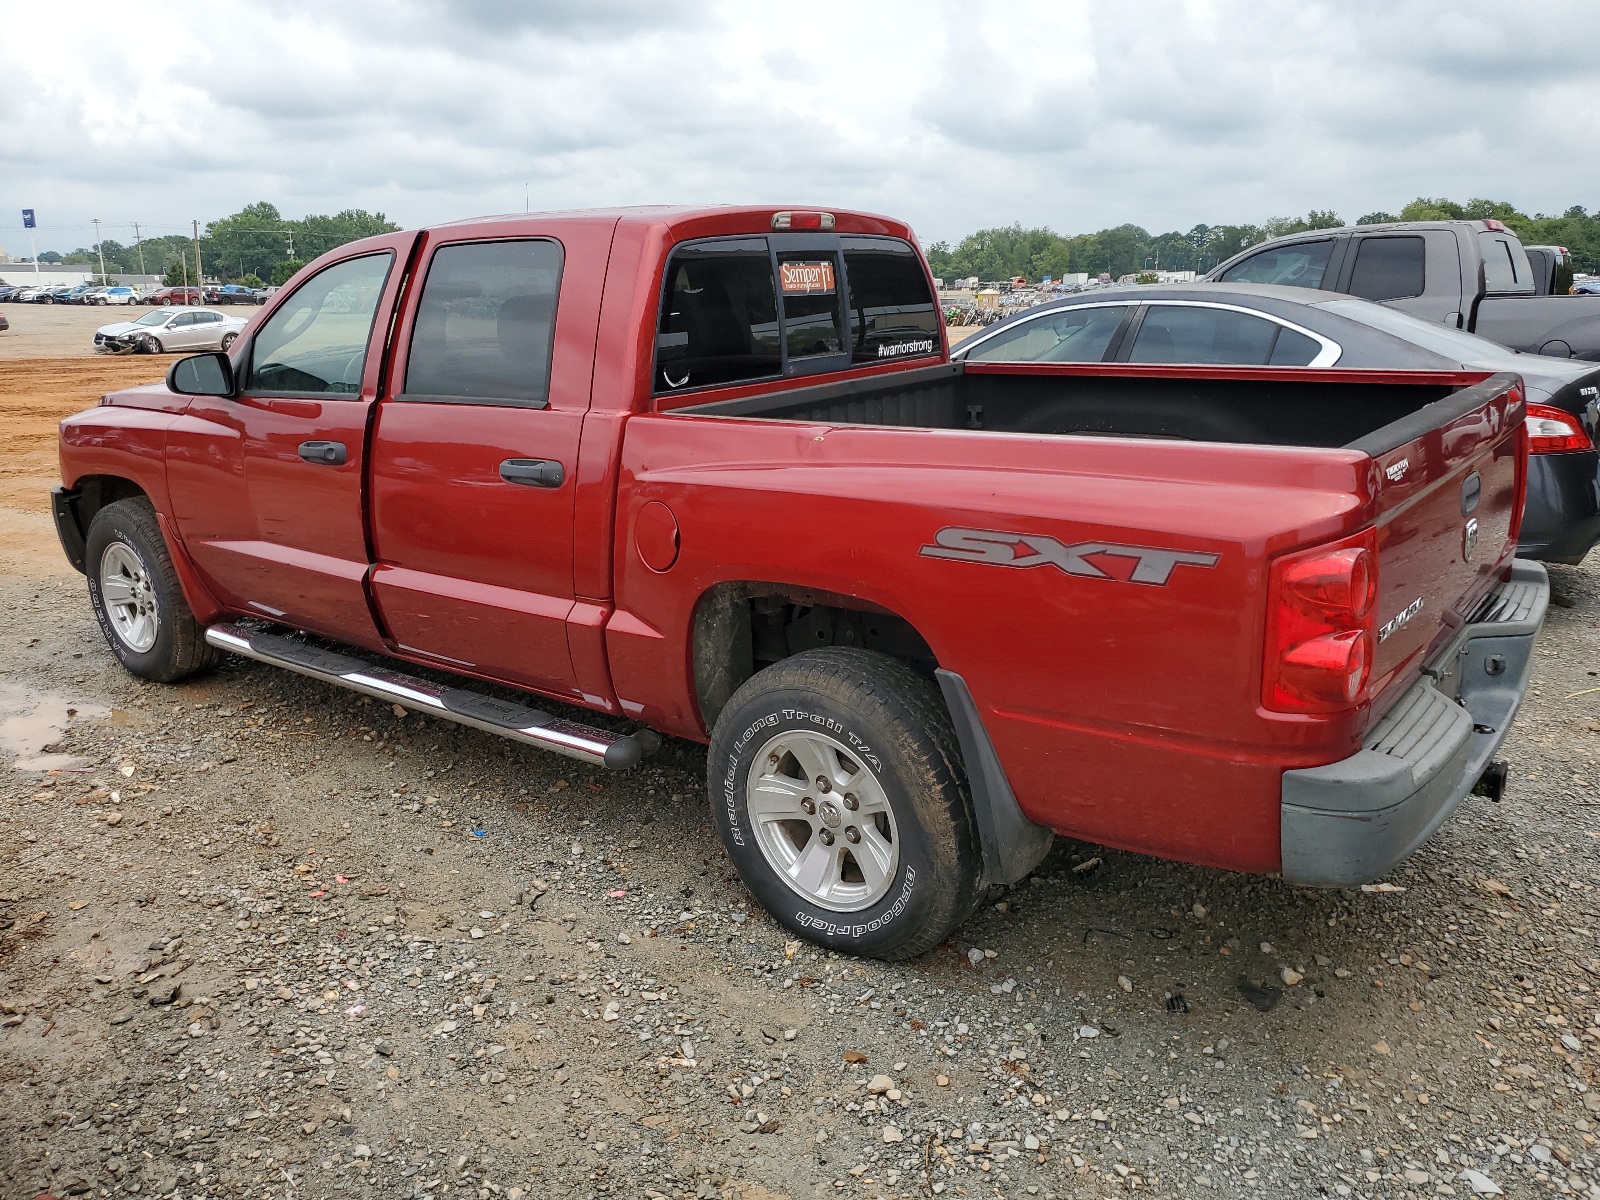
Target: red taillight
[[1497, 226], [1550, 431], [802, 220], [1319, 627]]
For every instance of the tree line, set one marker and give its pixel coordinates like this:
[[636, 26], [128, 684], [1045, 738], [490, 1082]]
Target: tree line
[[1008, 251], [253, 246]]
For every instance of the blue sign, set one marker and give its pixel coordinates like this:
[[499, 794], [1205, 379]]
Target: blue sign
[[27, 218]]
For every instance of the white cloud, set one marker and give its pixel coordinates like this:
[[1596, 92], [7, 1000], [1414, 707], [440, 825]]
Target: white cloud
[[1075, 114]]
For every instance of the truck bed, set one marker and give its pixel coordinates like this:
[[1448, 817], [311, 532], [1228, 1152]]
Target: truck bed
[[1328, 409]]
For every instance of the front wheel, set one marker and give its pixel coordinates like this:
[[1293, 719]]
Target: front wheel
[[227, 339], [149, 345], [136, 597], [838, 790]]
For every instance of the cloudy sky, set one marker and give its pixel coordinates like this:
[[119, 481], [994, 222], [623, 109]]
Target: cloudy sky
[[1072, 113]]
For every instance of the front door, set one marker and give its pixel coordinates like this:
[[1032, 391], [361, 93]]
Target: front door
[[476, 449], [267, 485]]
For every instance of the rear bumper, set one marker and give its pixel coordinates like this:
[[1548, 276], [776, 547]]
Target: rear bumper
[[1561, 522], [1349, 822]]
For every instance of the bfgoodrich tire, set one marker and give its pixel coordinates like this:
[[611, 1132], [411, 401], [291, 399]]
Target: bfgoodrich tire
[[136, 597], [838, 790]]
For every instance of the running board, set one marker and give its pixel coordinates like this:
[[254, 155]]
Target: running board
[[507, 718]]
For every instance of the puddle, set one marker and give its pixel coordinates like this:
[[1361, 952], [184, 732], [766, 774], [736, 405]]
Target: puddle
[[30, 721]]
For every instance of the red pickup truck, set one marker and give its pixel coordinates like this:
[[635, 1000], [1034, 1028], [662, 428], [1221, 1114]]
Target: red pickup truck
[[711, 473]]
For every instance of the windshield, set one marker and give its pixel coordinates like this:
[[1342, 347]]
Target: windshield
[[153, 318]]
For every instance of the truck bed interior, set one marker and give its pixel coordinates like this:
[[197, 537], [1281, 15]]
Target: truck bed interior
[[1264, 411]]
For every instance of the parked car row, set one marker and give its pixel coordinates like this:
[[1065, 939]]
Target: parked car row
[[86, 293]]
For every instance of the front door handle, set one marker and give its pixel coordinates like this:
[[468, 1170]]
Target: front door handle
[[532, 472], [331, 454]]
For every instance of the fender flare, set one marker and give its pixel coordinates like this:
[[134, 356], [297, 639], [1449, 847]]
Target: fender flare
[[1012, 845]]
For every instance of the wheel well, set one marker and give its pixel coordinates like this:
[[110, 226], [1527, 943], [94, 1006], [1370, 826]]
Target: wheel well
[[97, 491], [740, 628]]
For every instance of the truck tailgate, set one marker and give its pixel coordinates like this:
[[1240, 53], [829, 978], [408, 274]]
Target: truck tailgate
[[1448, 499]]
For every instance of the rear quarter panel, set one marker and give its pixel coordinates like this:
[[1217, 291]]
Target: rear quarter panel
[[1125, 712]]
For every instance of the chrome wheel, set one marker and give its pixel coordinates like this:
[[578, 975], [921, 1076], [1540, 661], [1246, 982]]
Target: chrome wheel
[[823, 821], [129, 596]]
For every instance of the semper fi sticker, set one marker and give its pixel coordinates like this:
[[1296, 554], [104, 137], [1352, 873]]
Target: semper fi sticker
[[806, 278]]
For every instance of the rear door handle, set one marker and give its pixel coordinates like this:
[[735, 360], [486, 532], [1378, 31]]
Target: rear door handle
[[331, 454], [532, 472]]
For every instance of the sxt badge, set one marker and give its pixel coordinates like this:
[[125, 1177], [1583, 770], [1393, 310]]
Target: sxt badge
[[1152, 565]]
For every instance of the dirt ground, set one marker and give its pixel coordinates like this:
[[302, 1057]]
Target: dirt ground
[[260, 938], [60, 330]]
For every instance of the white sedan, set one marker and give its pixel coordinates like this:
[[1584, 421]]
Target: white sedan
[[166, 329]]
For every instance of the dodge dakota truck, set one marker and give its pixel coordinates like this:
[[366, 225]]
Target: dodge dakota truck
[[1474, 275], [711, 473]]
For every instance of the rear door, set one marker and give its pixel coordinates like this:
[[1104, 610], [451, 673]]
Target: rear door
[[1450, 484], [475, 454], [1418, 273], [266, 486]]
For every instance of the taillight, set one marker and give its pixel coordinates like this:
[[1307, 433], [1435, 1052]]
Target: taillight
[[1320, 638], [1496, 226], [1550, 431]]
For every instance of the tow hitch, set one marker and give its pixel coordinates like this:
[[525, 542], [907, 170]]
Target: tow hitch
[[1492, 783]]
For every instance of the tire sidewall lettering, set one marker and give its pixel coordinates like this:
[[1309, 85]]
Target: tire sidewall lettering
[[731, 809]]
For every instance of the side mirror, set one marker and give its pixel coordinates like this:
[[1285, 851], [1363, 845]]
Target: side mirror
[[202, 375]]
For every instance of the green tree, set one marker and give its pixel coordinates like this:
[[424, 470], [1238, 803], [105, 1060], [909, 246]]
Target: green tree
[[179, 272], [283, 270], [248, 241], [253, 281], [1377, 218]]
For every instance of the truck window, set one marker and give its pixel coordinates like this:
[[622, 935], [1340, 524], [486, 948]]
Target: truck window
[[809, 284], [1504, 270], [485, 324], [1172, 333], [719, 317], [1299, 265], [1067, 335], [1388, 268], [892, 314], [316, 343]]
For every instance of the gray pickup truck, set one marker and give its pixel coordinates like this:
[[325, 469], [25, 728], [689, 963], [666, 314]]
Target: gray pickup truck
[[1474, 275]]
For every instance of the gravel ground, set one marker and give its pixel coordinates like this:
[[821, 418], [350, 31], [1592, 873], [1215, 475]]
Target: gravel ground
[[259, 937]]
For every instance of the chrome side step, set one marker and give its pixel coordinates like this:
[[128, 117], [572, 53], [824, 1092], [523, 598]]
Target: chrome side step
[[618, 751]]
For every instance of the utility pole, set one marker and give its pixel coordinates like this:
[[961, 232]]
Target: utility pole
[[139, 246], [98, 249], [197, 275]]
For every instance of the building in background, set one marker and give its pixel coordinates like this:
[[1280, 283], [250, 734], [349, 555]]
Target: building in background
[[64, 274]]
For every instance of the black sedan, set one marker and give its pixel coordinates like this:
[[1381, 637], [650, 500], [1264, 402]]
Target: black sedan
[[1260, 325]]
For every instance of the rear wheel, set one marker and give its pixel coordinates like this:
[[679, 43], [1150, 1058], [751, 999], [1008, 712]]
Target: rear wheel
[[838, 790], [136, 597]]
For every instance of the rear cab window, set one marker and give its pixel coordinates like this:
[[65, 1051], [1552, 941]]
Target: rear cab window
[[1505, 266], [892, 312], [744, 309]]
